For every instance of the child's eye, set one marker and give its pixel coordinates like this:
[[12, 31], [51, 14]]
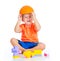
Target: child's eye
[[30, 17], [25, 17]]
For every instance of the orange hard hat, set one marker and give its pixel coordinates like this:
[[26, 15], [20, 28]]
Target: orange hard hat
[[26, 10]]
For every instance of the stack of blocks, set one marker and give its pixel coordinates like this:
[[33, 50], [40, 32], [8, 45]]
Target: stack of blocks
[[27, 54], [16, 52]]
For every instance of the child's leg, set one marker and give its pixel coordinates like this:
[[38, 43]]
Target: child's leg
[[39, 46], [14, 42]]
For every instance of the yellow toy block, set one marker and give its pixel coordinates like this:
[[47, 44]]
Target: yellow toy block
[[15, 57], [33, 54], [27, 54], [37, 52]]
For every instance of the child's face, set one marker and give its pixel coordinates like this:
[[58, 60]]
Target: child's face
[[27, 18]]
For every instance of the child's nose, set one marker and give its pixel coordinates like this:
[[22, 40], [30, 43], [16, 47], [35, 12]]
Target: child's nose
[[28, 18]]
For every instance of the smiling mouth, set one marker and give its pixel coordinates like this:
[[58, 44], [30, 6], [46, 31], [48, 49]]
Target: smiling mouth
[[28, 21]]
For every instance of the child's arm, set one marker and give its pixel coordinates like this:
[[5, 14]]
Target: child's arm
[[17, 29], [38, 27]]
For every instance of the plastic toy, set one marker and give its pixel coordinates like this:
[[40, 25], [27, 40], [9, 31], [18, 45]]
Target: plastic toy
[[16, 52], [26, 10], [45, 54], [38, 52], [15, 57], [29, 54]]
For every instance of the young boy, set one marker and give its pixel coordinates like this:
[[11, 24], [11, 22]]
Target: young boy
[[30, 27]]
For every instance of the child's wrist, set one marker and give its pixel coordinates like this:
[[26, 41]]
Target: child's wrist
[[19, 21], [34, 19]]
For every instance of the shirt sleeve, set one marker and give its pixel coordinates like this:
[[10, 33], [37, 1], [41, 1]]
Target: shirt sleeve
[[22, 26]]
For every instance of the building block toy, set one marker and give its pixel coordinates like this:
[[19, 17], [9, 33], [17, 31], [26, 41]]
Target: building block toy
[[46, 55], [38, 52], [29, 54], [16, 52], [15, 57]]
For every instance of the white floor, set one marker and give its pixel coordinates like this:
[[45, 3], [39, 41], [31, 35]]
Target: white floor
[[32, 59]]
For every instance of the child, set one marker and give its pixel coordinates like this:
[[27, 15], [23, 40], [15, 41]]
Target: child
[[30, 27]]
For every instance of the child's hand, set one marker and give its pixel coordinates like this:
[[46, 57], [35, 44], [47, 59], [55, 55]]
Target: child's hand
[[33, 16], [19, 17], [37, 25]]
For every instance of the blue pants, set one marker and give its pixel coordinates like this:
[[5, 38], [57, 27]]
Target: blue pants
[[27, 45]]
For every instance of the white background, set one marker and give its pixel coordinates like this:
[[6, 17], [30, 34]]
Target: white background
[[48, 15]]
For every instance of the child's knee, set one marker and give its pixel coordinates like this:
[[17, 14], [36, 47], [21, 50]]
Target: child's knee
[[42, 46], [12, 40]]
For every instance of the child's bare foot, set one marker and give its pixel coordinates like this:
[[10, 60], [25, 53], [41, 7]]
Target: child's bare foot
[[22, 50], [27, 49]]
